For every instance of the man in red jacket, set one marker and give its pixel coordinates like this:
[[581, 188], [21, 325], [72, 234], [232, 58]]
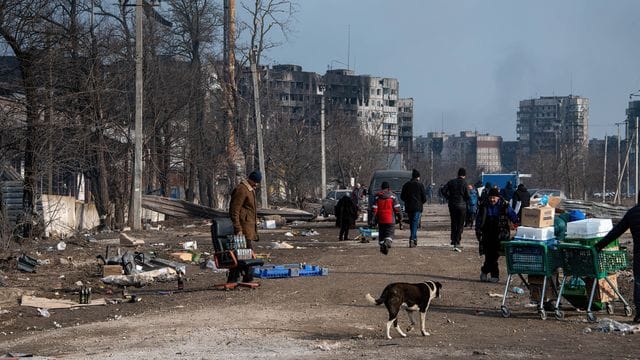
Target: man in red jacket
[[385, 210]]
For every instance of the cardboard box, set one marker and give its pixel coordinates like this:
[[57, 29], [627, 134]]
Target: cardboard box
[[538, 217], [604, 292], [111, 270]]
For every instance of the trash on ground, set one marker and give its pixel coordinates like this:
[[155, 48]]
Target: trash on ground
[[282, 245], [27, 263], [61, 246], [43, 312], [288, 234], [127, 240], [309, 232], [495, 295], [143, 278], [608, 325], [45, 303], [190, 245], [183, 256]]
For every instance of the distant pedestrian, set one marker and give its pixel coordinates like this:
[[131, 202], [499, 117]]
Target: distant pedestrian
[[507, 192], [346, 214], [484, 194], [356, 194], [413, 195], [429, 194], [386, 209], [457, 195], [493, 227], [521, 199], [472, 208]]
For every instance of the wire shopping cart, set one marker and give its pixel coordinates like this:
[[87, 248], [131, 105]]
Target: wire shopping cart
[[584, 261], [530, 258]]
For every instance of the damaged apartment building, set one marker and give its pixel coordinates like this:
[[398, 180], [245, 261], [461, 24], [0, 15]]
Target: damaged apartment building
[[369, 101]]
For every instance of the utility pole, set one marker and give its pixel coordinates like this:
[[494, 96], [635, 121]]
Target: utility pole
[[321, 89], [604, 171], [135, 215], [635, 157], [256, 106]]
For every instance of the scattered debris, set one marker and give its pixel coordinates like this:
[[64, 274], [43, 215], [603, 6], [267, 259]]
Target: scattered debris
[[289, 234], [4, 312], [183, 256], [168, 263], [45, 303], [43, 312], [309, 232], [190, 245], [27, 263], [281, 245], [126, 240], [143, 278], [61, 246], [325, 346], [57, 325], [495, 295], [608, 325]]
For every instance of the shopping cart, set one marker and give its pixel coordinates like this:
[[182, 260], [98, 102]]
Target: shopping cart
[[530, 258], [584, 261]]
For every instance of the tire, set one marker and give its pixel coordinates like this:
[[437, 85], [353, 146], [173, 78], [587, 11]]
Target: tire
[[559, 314], [609, 308], [543, 314], [627, 311], [505, 311]]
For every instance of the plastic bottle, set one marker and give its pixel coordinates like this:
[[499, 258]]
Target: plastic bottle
[[544, 200], [517, 290]]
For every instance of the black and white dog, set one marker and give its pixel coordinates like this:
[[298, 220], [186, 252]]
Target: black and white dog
[[411, 297]]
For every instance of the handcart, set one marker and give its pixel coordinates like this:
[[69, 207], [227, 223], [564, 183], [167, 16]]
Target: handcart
[[585, 261], [530, 258]]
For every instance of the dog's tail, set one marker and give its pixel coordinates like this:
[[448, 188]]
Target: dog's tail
[[372, 300]]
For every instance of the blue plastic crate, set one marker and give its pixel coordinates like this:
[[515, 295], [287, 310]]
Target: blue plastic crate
[[288, 270]]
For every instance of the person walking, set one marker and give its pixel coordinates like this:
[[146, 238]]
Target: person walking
[[244, 216], [493, 227], [507, 192], [346, 214], [386, 209], [457, 196], [413, 195], [630, 220], [472, 208]]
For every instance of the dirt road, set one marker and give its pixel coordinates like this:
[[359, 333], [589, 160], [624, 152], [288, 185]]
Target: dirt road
[[325, 317]]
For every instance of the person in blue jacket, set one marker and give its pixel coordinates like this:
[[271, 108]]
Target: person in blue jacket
[[492, 227]]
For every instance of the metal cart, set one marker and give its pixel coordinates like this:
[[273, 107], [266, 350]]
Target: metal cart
[[584, 261], [530, 258]]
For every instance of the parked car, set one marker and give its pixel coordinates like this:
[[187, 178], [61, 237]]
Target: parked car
[[536, 194], [329, 203], [395, 178]]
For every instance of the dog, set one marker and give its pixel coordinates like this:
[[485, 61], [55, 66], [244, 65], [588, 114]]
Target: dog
[[411, 297]]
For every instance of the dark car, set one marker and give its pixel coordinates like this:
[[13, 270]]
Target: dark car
[[329, 203], [395, 178]]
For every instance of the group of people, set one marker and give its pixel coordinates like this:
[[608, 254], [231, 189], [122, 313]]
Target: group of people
[[496, 212]]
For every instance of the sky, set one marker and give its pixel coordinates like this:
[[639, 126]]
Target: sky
[[468, 63]]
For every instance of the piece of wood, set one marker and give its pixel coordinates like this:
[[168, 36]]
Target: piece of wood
[[111, 270], [184, 256], [126, 240], [45, 303]]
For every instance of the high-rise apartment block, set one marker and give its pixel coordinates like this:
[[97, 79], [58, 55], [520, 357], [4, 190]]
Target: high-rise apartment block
[[371, 102], [547, 123]]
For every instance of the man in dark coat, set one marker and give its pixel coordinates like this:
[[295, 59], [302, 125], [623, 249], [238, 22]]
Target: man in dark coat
[[630, 220], [346, 214], [507, 192], [523, 197], [413, 195], [457, 195], [492, 227]]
